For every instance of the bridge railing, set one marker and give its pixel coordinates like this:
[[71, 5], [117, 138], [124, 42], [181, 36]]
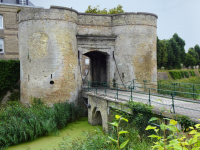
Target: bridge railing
[[122, 91], [181, 89]]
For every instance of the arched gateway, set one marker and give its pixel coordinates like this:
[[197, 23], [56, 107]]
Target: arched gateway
[[100, 50]]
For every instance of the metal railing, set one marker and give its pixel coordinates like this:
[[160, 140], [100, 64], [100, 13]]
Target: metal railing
[[121, 92]]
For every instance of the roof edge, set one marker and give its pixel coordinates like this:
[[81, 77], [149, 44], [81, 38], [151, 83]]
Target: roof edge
[[7, 4]]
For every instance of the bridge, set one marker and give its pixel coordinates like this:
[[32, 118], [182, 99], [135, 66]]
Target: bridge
[[103, 96]]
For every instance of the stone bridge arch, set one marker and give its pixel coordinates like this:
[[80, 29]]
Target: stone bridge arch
[[100, 107]]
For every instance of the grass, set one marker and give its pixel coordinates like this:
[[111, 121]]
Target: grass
[[73, 130], [187, 85], [20, 124], [159, 70]]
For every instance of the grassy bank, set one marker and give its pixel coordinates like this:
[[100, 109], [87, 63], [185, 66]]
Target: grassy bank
[[185, 87], [159, 70], [20, 124], [73, 130]]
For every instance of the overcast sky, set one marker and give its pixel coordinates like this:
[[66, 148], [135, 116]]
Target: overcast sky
[[174, 16]]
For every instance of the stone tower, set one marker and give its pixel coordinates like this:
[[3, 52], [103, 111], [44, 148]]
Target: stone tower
[[52, 42]]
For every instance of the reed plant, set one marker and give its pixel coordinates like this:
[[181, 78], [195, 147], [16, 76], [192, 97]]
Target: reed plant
[[20, 124]]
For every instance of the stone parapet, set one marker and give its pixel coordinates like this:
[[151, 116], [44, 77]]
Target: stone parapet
[[47, 14]]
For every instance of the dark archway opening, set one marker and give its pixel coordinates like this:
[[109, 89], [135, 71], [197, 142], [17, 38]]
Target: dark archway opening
[[98, 65], [96, 117]]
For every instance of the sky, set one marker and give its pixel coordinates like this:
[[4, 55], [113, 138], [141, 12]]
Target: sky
[[174, 16]]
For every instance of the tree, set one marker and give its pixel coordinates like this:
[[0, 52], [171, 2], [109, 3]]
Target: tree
[[197, 49], [177, 53], [161, 53], [170, 54], [192, 52], [181, 44], [114, 10], [190, 60], [96, 10]]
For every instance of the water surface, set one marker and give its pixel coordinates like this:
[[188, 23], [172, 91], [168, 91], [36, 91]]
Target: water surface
[[50, 142]]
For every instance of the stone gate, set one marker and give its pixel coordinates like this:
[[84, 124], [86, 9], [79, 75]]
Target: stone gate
[[52, 42]]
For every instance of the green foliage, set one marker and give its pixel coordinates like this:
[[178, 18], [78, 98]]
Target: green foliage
[[185, 121], [98, 141], [186, 74], [181, 44], [140, 115], [192, 52], [192, 73], [190, 60], [161, 53], [19, 124], [175, 74], [182, 74], [173, 53], [197, 49], [117, 10], [15, 96], [9, 75], [177, 139], [18, 10], [116, 124], [185, 86], [170, 55], [177, 53], [96, 10]]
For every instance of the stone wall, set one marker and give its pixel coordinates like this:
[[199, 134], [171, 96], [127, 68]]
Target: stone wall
[[50, 40], [48, 51], [135, 47], [10, 31]]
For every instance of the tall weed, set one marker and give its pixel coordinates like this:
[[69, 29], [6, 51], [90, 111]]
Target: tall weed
[[19, 124]]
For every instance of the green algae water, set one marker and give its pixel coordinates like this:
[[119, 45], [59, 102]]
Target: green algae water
[[72, 130]]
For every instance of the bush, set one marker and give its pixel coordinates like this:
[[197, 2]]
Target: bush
[[19, 124], [9, 75], [177, 139], [182, 74], [140, 115], [186, 74], [96, 140], [175, 74], [192, 73], [185, 121]]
